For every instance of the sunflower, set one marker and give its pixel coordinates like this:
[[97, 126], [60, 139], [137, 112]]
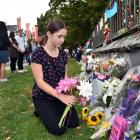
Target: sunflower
[[95, 119], [85, 113]]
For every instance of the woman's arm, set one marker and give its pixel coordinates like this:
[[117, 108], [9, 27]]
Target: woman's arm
[[38, 75], [15, 46]]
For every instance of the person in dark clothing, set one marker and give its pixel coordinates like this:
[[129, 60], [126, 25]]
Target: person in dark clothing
[[49, 67], [28, 52], [4, 44], [13, 52], [79, 54]]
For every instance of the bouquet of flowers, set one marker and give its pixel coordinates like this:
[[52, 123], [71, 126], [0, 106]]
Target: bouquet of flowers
[[127, 102], [128, 107], [109, 89], [119, 69], [130, 81], [67, 86], [133, 127], [71, 86]]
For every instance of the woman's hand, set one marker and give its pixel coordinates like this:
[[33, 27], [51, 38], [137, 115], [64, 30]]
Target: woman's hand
[[67, 99]]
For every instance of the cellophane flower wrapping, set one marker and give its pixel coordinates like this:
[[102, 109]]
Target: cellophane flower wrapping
[[127, 102]]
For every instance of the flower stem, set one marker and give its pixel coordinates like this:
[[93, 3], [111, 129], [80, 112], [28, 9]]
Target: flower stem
[[64, 116]]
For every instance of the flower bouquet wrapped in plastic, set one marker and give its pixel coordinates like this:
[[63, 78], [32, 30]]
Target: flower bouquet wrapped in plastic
[[130, 81], [66, 86], [127, 101]]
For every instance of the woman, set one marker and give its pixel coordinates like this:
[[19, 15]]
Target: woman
[[48, 67], [13, 52], [4, 44]]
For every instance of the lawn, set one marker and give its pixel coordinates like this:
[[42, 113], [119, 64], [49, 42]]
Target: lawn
[[17, 121]]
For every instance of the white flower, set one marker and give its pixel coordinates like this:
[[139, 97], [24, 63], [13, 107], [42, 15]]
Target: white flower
[[112, 87], [91, 60], [115, 82], [82, 75], [110, 90], [121, 61], [85, 89], [83, 67], [89, 66], [105, 98]]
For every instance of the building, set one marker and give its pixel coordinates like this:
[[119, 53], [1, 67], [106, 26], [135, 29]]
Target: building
[[12, 28]]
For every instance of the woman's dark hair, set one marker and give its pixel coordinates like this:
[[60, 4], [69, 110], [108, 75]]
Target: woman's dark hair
[[12, 35], [52, 26], [4, 40]]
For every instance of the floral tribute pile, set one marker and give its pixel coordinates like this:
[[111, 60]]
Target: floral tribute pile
[[115, 100], [109, 93]]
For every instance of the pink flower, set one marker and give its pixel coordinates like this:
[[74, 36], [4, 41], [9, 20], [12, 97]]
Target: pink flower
[[101, 77], [135, 78], [97, 74], [66, 85]]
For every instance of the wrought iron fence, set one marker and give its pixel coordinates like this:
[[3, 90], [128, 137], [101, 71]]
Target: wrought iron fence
[[126, 18]]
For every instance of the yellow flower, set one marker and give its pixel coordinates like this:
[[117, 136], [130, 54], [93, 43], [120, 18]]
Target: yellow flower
[[85, 113], [106, 125], [95, 119], [111, 61]]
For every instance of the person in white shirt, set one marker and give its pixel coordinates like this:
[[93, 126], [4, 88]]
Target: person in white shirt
[[21, 45]]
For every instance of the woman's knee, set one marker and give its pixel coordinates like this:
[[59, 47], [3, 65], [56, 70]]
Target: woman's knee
[[57, 131]]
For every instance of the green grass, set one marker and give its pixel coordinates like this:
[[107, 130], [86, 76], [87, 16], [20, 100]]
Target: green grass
[[17, 121]]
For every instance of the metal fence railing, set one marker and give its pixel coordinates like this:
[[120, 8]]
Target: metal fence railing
[[126, 18]]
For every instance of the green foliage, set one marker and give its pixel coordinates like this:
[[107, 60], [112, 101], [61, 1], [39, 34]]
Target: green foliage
[[80, 16], [42, 21]]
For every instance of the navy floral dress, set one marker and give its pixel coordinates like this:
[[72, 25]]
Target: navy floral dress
[[53, 70]]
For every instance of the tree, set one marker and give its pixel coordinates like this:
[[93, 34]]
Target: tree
[[80, 17]]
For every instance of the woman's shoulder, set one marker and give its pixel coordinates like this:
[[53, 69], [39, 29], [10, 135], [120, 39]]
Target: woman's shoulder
[[37, 55], [63, 55], [63, 51], [38, 50]]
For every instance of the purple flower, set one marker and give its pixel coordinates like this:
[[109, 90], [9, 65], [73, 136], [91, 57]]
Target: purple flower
[[83, 101], [128, 107]]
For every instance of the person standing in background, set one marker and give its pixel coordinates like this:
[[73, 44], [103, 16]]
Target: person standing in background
[[34, 45], [4, 44], [21, 54], [13, 52], [28, 51], [67, 51]]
